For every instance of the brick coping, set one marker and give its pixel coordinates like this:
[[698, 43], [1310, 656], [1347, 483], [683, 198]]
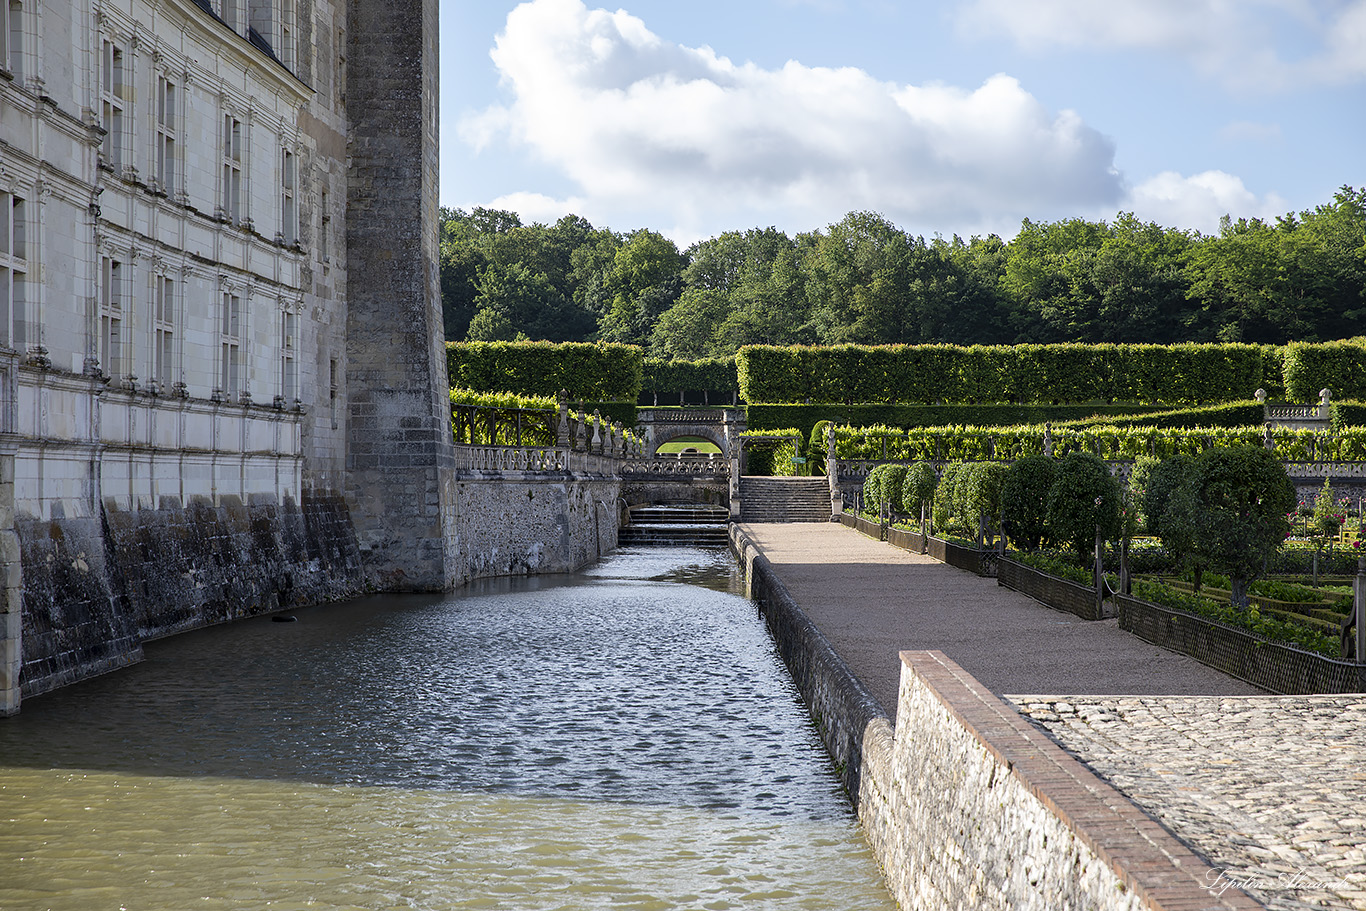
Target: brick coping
[[1147, 858]]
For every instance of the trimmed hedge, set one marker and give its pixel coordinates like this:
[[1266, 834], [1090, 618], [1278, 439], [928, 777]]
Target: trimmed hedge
[[1107, 442], [599, 373], [1186, 374], [710, 375], [1348, 414], [806, 417], [1339, 367], [1171, 374], [1236, 415]]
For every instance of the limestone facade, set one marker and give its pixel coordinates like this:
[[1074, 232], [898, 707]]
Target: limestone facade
[[182, 363]]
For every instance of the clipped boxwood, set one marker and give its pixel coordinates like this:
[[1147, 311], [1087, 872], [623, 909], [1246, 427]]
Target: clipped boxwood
[[588, 372]]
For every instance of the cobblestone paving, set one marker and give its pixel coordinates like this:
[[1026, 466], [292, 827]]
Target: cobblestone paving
[[1271, 789]]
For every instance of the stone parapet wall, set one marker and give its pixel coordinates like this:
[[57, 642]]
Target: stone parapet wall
[[966, 804]]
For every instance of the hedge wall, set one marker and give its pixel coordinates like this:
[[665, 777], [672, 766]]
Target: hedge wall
[[1058, 374], [1337, 366], [805, 417], [1236, 415], [602, 372], [711, 375], [1348, 414]]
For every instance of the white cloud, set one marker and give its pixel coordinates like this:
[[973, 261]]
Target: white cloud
[[1199, 201], [1252, 44], [637, 122]]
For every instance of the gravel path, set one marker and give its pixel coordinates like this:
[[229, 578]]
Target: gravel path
[[871, 600]]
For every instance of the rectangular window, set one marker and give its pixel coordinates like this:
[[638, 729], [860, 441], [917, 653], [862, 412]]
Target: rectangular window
[[165, 172], [232, 169], [111, 345], [13, 270], [288, 370], [289, 213], [332, 390], [230, 337], [163, 332], [12, 37], [111, 104]]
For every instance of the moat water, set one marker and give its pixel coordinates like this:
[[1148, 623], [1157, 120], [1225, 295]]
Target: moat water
[[622, 738]]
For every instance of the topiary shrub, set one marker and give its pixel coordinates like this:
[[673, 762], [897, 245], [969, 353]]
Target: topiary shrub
[[1083, 496], [892, 483], [979, 493], [946, 497], [1241, 496], [1024, 500], [917, 490]]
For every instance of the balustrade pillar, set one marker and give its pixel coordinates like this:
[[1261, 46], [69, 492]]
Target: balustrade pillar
[[597, 432]]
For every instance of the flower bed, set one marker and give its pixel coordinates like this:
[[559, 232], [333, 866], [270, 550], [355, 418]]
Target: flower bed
[[1273, 665]]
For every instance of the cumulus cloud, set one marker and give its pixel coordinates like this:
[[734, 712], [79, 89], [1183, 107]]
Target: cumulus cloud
[[630, 117], [1256, 44], [1199, 201]]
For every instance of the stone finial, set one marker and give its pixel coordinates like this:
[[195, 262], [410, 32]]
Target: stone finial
[[1260, 396], [1324, 396], [562, 429], [597, 432], [1048, 439], [1267, 440]]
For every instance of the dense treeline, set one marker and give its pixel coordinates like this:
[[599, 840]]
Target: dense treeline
[[865, 281]]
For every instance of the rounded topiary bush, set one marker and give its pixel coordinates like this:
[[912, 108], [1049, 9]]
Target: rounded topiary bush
[[892, 486], [979, 495], [1024, 500], [946, 497], [1083, 496], [917, 489]]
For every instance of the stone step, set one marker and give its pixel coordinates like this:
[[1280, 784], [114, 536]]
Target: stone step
[[784, 499]]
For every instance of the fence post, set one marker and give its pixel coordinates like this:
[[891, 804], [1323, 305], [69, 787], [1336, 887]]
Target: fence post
[[1359, 591]]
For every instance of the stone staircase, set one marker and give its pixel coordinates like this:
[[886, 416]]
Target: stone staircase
[[784, 499], [686, 524]]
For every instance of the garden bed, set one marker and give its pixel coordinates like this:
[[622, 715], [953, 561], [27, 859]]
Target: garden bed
[[1053, 591], [913, 541], [1240, 653], [981, 562]]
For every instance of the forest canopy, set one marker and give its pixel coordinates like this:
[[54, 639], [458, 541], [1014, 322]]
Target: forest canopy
[[1301, 277]]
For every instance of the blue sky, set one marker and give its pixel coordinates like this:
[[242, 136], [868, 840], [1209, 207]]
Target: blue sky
[[947, 118]]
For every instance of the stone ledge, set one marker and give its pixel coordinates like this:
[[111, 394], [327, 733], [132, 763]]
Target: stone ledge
[[1149, 861]]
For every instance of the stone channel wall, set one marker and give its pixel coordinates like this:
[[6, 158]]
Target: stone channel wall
[[966, 804], [526, 523], [95, 588]]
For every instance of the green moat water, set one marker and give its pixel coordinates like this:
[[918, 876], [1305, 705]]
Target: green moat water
[[623, 738]]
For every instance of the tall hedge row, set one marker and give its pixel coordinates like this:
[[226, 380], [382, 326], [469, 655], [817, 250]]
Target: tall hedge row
[[1337, 366], [711, 375], [1168, 374], [599, 373]]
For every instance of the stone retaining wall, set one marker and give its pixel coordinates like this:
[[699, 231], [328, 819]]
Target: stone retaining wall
[[95, 588], [562, 523], [1048, 589], [1240, 653], [968, 805]]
